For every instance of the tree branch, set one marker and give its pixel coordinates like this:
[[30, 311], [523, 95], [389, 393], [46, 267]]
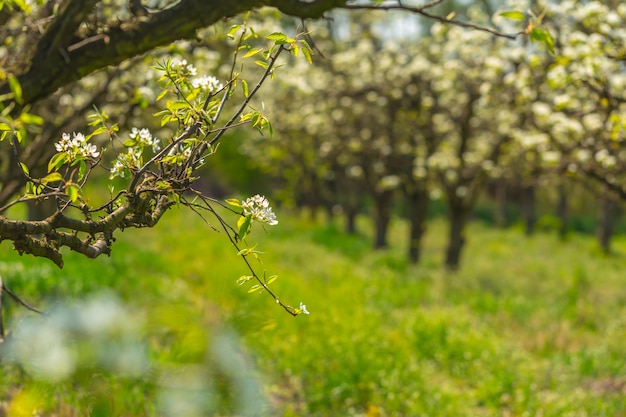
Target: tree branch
[[59, 60], [63, 28]]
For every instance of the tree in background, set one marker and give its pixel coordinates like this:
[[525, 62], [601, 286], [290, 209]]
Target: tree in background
[[582, 108]]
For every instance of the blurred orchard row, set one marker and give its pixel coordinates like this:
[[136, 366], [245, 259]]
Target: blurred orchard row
[[394, 113], [392, 122]]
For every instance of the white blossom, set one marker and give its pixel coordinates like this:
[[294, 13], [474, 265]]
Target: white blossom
[[184, 67], [77, 146], [303, 309], [259, 209], [126, 161], [207, 83], [144, 137]]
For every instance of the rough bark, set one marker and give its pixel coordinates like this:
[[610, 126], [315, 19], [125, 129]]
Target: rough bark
[[62, 57]]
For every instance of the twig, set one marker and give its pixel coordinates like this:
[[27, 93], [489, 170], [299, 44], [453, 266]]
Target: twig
[[22, 302], [422, 11], [256, 88]]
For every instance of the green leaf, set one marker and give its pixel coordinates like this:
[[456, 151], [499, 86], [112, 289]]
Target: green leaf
[[24, 168], [16, 88], [271, 279], [129, 143], [243, 279], [244, 224], [161, 95], [537, 35], [31, 119], [5, 127], [252, 52], [548, 41], [163, 185], [262, 64], [72, 190], [57, 161], [174, 105], [279, 38], [82, 169], [98, 131], [276, 36], [55, 176], [244, 86], [233, 202], [231, 31], [307, 51], [513, 15], [255, 287]]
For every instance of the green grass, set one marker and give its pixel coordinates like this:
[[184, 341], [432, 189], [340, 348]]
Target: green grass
[[527, 327]]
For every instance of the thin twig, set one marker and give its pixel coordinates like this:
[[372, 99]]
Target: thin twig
[[422, 11], [256, 88], [22, 302]]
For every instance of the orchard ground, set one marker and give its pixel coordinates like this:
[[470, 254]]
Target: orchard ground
[[528, 327]]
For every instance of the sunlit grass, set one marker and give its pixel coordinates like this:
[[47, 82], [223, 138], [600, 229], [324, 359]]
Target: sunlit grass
[[528, 326]]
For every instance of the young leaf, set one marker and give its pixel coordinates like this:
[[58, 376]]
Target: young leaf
[[233, 202], [31, 119], [55, 176], [16, 88], [57, 161], [243, 279], [307, 51], [244, 86], [24, 168], [513, 15], [252, 52], [72, 191], [163, 185], [279, 38], [82, 169], [244, 224], [255, 287]]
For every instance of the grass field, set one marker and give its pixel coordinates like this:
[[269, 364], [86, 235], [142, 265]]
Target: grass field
[[528, 327]]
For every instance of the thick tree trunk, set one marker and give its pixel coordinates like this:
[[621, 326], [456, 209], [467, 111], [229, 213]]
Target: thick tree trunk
[[458, 218], [382, 216], [561, 211], [418, 212], [500, 215], [605, 226], [528, 209]]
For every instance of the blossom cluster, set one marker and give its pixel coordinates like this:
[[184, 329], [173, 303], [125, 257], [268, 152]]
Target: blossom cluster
[[143, 137], [77, 146], [129, 160], [185, 68], [207, 83], [259, 209]]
